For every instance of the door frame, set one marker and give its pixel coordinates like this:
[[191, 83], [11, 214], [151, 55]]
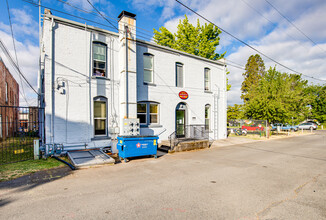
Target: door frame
[[177, 108]]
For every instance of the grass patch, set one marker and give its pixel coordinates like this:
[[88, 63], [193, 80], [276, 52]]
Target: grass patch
[[15, 149], [15, 170]]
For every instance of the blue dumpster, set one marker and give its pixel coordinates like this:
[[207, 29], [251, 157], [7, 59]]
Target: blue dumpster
[[135, 146]]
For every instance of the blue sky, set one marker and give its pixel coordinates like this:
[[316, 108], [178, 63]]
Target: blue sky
[[256, 22]]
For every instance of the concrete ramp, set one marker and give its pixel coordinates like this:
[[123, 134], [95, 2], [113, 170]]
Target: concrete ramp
[[89, 158]]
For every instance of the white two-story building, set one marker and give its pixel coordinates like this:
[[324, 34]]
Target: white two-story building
[[92, 79]]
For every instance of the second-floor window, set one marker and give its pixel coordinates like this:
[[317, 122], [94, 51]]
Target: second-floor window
[[99, 59], [207, 79], [148, 68], [179, 74]]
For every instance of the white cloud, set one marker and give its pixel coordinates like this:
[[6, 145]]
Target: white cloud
[[259, 24], [28, 61], [21, 16]]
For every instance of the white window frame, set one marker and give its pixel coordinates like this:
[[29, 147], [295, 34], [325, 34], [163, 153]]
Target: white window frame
[[101, 99], [95, 60], [207, 79], [177, 83], [148, 113], [208, 118], [151, 56], [158, 113]]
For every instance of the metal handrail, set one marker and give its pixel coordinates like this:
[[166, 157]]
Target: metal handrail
[[191, 132]]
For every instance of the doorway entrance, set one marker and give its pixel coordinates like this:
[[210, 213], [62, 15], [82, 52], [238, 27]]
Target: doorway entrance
[[180, 122]]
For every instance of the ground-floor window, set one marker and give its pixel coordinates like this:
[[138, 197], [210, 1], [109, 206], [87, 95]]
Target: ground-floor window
[[100, 116], [148, 113], [207, 116]]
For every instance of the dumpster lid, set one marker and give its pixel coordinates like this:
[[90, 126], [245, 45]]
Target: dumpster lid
[[139, 136]]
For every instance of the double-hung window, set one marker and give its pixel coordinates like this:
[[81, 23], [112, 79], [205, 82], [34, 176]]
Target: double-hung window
[[99, 59], [207, 79], [100, 116], [148, 113], [179, 74], [142, 113], [153, 113], [148, 68], [207, 116]]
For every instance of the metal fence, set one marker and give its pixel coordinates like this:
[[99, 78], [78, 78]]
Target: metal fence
[[250, 125], [19, 127]]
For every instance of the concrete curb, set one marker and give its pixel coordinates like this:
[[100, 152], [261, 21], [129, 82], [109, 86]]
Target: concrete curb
[[242, 140]]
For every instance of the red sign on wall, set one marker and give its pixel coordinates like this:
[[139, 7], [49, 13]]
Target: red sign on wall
[[183, 95]]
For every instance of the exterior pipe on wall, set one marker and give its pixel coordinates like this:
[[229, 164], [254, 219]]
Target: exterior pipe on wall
[[52, 81], [127, 107]]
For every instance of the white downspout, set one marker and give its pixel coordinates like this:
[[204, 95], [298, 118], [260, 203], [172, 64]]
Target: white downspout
[[127, 104], [52, 84]]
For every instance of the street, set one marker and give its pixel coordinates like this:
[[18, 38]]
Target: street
[[274, 179]]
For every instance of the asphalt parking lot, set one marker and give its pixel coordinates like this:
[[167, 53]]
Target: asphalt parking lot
[[277, 179]]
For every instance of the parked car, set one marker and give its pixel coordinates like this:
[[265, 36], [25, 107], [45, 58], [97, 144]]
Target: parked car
[[252, 127], [307, 126], [284, 127]]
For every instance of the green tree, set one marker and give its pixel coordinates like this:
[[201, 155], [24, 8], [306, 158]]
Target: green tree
[[255, 70], [277, 98], [317, 102], [200, 40], [235, 112]]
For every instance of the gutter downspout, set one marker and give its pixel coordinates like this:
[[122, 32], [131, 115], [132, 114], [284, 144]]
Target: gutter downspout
[[52, 83], [127, 107]]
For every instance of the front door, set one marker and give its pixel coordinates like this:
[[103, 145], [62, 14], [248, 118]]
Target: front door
[[180, 122]]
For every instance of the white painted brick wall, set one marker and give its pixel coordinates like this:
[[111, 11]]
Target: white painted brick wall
[[73, 111]]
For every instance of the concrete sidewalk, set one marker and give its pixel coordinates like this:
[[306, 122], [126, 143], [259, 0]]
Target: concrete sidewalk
[[244, 140], [234, 141]]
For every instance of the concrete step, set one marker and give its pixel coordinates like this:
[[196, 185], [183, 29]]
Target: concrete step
[[164, 148]]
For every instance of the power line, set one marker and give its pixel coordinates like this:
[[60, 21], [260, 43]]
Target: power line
[[6, 52], [274, 24], [248, 45], [13, 42], [294, 25], [53, 9], [102, 15], [150, 37]]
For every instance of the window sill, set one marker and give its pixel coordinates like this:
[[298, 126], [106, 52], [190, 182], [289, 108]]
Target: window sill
[[100, 77], [151, 126], [208, 91], [99, 138], [149, 84]]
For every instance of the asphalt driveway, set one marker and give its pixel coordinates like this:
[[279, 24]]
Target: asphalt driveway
[[278, 179]]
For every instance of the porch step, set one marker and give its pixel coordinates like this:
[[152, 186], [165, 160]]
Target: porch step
[[164, 148]]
